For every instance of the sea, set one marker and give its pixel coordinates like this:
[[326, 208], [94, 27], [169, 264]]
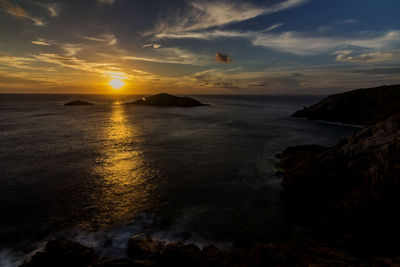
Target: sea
[[100, 174]]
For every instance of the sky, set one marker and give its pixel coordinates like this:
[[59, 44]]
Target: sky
[[198, 47]]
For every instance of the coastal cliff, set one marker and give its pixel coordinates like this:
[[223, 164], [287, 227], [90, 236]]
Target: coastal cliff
[[361, 171], [358, 107], [350, 191]]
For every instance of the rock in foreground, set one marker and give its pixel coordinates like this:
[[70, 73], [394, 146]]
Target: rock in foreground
[[358, 107], [62, 252], [353, 186], [145, 251], [78, 103], [167, 100]]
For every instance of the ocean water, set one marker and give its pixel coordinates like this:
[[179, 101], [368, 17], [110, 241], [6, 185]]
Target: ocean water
[[102, 173]]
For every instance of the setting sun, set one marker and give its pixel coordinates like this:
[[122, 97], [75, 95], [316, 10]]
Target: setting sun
[[116, 84]]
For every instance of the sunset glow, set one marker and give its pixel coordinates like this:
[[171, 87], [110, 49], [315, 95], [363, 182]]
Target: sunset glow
[[203, 47], [116, 84]]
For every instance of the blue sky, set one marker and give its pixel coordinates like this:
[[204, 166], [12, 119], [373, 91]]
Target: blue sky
[[194, 46]]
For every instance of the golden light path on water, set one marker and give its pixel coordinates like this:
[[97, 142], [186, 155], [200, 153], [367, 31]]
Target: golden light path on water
[[123, 172]]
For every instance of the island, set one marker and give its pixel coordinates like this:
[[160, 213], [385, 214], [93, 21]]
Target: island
[[78, 103], [167, 100], [357, 107]]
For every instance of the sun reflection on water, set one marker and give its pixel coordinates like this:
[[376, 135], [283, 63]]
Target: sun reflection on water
[[124, 187]]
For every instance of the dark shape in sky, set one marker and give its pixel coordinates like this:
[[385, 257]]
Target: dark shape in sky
[[222, 58]]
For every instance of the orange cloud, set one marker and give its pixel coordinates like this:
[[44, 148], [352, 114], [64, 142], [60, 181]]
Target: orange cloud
[[18, 11]]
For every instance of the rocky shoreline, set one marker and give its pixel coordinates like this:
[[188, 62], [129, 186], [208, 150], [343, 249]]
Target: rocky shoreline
[[144, 251], [351, 189]]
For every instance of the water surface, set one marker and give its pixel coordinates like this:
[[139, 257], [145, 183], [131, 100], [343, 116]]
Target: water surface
[[204, 174]]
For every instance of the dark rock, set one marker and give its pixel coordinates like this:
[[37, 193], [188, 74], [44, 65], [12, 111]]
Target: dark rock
[[181, 254], [358, 107], [78, 103], [143, 248], [353, 186], [117, 263], [62, 252], [167, 100], [154, 253]]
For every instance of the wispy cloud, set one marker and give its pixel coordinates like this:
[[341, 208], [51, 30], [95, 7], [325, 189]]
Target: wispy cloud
[[273, 27], [74, 63], [41, 41], [374, 57], [205, 35], [71, 49], [54, 9], [156, 46], [296, 42], [17, 62], [303, 44], [107, 38], [171, 55], [206, 14], [18, 11], [110, 2]]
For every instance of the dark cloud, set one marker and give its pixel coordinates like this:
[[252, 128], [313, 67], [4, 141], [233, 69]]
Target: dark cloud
[[222, 58], [283, 82], [379, 71]]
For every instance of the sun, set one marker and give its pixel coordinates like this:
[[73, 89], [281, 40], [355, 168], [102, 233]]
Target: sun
[[116, 84]]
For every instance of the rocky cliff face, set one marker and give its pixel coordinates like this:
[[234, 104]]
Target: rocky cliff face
[[359, 107], [353, 186]]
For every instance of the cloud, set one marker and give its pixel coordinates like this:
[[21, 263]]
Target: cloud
[[107, 38], [345, 56], [17, 62], [41, 42], [222, 58], [205, 35], [206, 14], [74, 63], [262, 81], [156, 46], [171, 55], [349, 21], [18, 11], [380, 71], [297, 42], [71, 49], [110, 2], [54, 9], [301, 44], [273, 27]]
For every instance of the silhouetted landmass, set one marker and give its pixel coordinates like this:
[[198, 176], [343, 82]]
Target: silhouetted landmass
[[167, 100], [359, 107], [351, 189], [78, 103]]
